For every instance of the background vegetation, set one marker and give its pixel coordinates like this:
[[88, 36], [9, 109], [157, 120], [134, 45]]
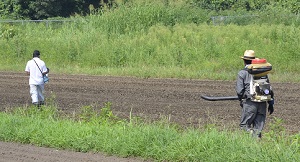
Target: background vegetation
[[157, 39], [43, 9]]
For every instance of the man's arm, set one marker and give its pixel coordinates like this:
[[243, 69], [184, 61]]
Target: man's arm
[[27, 69], [239, 88]]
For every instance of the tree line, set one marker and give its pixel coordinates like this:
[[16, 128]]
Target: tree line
[[45, 9], [292, 6]]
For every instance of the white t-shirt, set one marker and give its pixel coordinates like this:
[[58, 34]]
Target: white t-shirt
[[36, 77]]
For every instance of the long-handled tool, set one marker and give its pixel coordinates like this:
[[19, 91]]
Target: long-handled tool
[[214, 98]]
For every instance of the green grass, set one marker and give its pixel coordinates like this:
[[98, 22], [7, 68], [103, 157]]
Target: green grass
[[152, 40], [99, 130]]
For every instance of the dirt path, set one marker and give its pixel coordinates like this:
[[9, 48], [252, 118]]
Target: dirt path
[[13, 152], [179, 100]]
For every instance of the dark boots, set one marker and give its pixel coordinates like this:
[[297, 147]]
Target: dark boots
[[39, 104]]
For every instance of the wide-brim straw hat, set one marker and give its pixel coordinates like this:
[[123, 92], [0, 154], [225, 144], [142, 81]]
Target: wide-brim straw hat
[[248, 55]]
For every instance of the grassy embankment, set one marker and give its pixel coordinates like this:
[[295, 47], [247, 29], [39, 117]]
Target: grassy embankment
[[101, 131], [147, 42]]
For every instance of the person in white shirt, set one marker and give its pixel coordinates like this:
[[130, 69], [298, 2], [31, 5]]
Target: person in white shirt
[[36, 68]]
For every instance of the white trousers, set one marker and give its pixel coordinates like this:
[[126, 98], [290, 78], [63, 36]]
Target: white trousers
[[37, 93]]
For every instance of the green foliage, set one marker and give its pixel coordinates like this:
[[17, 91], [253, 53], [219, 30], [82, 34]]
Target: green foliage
[[7, 31], [137, 17], [36, 10], [30, 9], [291, 6], [182, 50], [91, 114], [156, 40], [295, 142], [277, 131]]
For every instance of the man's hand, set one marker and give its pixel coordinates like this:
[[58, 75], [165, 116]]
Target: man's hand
[[271, 109], [46, 71], [271, 106]]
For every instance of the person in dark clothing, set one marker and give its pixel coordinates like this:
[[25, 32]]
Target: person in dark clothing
[[253, 114]]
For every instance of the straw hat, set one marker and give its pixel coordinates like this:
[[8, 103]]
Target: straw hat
[[248, 55]]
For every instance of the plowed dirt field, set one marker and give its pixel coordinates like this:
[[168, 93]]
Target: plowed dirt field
[[176, 99]]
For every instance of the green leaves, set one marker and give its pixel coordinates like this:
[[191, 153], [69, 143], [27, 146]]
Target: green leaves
[[43, 9], [7, 32]]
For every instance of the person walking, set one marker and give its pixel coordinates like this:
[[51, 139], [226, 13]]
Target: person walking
[[253, 114], [36, 69]]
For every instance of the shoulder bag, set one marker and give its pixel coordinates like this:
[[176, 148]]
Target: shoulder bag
[[45, 77]]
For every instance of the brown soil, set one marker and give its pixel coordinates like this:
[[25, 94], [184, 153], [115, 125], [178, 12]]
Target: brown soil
[[177, 100], [14, 152]]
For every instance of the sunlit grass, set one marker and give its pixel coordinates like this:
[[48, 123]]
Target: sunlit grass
[[97, 129]]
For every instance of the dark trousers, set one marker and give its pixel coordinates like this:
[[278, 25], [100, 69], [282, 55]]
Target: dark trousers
[[253, 116]]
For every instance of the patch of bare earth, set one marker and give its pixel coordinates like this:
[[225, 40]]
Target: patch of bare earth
[[178, 100]]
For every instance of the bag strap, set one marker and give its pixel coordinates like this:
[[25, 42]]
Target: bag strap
[[38, 66]]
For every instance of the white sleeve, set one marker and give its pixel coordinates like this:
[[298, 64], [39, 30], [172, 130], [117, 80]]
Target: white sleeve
[[27, 67], [44, 68]]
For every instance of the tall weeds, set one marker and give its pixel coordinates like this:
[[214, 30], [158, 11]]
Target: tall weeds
[[152, 40]]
